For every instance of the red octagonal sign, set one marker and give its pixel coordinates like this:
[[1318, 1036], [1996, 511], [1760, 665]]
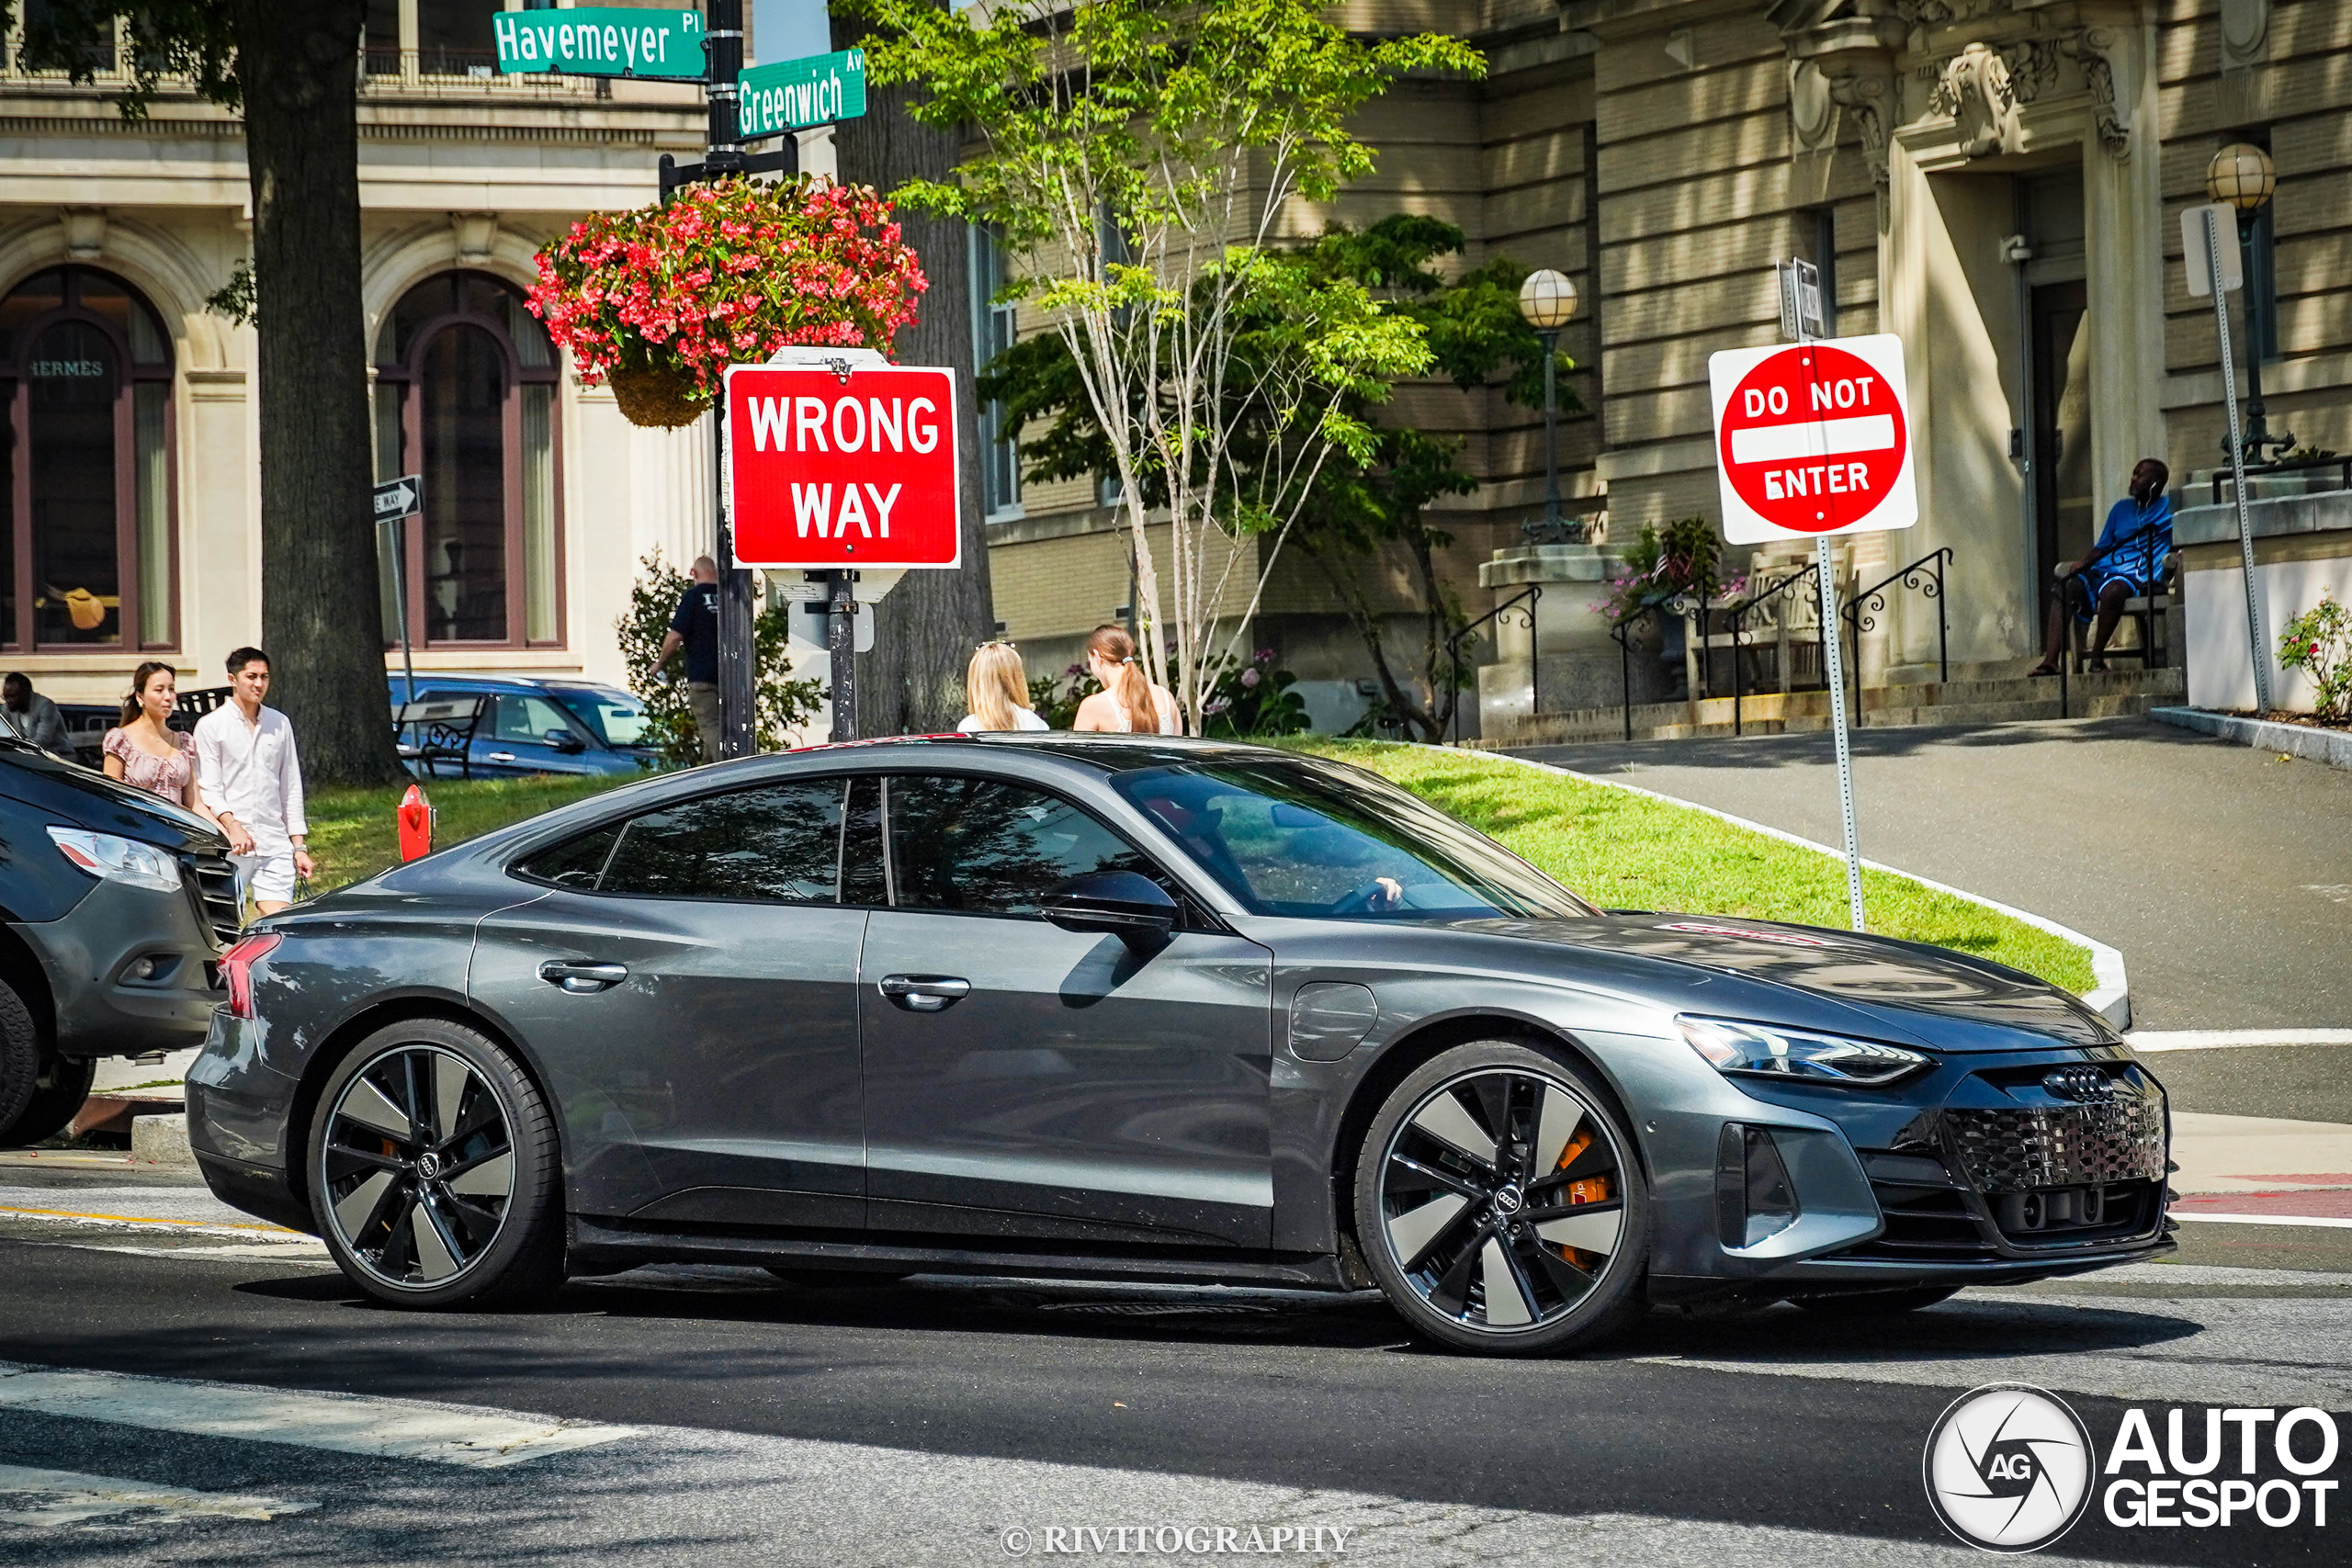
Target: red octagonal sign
[[1813, 438], [828, 471]]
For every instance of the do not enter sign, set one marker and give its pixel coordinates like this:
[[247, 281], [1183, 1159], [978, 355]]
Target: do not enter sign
[[828, 471], [1813, 438]]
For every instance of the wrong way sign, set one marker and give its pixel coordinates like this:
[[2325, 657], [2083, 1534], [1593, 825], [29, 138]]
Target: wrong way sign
[[828, 471], [1813, 439]]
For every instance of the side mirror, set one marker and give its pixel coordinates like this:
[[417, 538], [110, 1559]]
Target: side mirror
[[563, 740], [1133, 908]]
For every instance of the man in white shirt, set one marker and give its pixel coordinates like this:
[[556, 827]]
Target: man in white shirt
[[252, 781]]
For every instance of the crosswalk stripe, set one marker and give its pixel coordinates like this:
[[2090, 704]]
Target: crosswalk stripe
[[50, 1498], [355, 1424], [2320, 1221]]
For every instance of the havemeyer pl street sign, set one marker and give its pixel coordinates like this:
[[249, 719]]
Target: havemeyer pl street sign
[[601, 40], [1813, 438], [825, 473]]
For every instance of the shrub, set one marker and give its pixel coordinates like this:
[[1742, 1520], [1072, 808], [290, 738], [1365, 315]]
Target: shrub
[[784, 702], [2320, 642]]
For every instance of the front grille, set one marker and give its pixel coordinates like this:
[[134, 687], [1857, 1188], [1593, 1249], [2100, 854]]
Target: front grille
[[2062, 1145], [212, 883]]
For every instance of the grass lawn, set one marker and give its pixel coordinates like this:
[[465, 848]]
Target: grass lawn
[[1626, 850], [353, 834]]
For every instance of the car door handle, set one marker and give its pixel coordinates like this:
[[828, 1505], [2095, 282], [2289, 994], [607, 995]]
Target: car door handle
[[500, 757], [924, 993], [582, 979]]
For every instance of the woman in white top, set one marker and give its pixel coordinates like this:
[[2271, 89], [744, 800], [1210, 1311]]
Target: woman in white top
[[1129, 703], [997, 689]]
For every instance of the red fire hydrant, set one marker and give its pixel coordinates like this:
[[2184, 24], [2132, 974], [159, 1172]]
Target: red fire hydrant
[[415, 818]]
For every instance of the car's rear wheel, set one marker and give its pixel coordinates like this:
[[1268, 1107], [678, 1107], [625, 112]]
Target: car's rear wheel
[[1878, 1304], [1500, 1205], [60, 1090], [435, 1170]]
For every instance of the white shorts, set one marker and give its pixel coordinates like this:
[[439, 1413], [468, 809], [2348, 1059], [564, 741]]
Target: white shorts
[[266, 879]]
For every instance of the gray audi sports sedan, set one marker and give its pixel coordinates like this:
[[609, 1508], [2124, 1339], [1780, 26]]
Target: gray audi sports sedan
[[1152, 1009]]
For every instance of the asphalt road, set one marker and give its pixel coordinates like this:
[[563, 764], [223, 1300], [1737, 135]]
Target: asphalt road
[[2223, 873], [931, 1421]]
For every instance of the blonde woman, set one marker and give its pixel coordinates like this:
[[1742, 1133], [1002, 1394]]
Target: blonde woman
[[145, 751], [997, 689], [1128, 703]]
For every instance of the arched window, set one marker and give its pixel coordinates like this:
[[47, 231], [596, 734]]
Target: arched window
[[465, 396], [85, 466]]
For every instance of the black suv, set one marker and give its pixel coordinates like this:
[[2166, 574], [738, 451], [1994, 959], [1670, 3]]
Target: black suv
[[114, 908]]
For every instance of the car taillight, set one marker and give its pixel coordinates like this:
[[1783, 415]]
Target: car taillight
[[237, 967]]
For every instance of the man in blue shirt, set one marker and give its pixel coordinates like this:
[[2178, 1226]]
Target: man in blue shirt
[[2127, 562], [695, 628]]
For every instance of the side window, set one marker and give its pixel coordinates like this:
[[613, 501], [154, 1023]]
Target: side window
[[575, 863], [990, 848], [780, 843], [529, 719]]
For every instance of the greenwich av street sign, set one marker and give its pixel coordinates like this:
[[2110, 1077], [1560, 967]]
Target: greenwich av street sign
[[602, 40], [794, 95]]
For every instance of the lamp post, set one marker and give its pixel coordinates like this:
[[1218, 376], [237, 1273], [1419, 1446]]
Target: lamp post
[[2242, 175], [1546, 300]]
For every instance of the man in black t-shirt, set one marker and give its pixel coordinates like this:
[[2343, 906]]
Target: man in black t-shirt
[[695, 628]]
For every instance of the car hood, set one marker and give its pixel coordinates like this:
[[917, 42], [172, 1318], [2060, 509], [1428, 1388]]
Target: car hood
[[88, 799], [1930, 995]]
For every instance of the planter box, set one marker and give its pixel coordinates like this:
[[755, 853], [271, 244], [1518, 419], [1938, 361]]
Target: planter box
[[2302, 548]]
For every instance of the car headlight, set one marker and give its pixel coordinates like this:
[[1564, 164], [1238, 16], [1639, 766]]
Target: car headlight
[[119, 860], [1767, 1052]]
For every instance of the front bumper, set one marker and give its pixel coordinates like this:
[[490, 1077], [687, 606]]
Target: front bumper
[[1980, 1173], [93, 955]]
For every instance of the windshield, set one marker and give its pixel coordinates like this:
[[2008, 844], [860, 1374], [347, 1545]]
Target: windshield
[[614, 717], [1313, 840]]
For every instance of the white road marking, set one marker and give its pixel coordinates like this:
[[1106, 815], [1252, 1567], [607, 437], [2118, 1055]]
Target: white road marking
[[46, 1499], [386, 1428], [2318, 1221], [2232, 1039]]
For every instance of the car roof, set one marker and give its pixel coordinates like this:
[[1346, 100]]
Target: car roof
[[430, 682], [1100, 753]]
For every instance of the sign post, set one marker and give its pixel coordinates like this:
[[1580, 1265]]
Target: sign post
[[843, 466], [1815, 439], [396, 501], [2215, 271]]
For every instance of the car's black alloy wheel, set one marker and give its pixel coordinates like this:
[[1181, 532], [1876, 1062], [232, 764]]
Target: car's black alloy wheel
[[434, 1170], [1500, 1205]]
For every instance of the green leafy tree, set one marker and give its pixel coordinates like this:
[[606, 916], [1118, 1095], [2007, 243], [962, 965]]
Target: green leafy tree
[[1369, 502], [1135, 155], [784, 704], [291, 72]]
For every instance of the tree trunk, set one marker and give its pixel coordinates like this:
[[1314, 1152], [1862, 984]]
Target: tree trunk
[[320, 621], [913, 681]]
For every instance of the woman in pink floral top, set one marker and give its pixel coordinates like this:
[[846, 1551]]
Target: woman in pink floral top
[[145, 753]]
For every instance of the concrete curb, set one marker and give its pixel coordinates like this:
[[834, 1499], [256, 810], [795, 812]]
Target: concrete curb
[[2110, 993], [162, 1140], [2331, 747]]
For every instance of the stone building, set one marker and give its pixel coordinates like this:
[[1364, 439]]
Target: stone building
[[1995, 181]]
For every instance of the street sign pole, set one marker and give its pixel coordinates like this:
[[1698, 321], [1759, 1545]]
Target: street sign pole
[[841, 643], [1800, 311], [2209, 219], [738, 652], [396, 501]]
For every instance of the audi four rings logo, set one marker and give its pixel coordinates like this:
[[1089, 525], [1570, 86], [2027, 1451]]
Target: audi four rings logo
[[2009, 1467]]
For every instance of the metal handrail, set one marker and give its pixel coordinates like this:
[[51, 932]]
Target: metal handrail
[[1863, 619], [1533, 593], [1740, 612]]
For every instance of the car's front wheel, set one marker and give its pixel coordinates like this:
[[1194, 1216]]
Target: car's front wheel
[[435, 1170], [1501, 1205]]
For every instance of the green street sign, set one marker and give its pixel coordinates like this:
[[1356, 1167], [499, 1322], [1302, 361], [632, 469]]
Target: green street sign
[[602, 40], [796, 93]]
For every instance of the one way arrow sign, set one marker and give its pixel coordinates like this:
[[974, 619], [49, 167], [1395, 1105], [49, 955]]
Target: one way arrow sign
[[397, 500]]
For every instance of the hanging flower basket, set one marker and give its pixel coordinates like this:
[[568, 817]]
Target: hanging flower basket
[[660, 300]]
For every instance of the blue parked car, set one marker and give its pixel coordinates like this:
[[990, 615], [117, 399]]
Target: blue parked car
[[542, 726]]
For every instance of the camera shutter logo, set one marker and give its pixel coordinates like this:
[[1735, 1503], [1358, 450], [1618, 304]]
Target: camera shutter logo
[[2009, 1467]]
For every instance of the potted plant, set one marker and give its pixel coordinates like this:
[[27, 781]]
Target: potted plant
[[660, 300]]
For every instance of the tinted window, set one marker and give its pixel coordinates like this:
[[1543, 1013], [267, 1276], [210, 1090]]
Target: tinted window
[[993, 848], [575, 863], [1310, 839], [529, 719], [778, 844], [617, 718]]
